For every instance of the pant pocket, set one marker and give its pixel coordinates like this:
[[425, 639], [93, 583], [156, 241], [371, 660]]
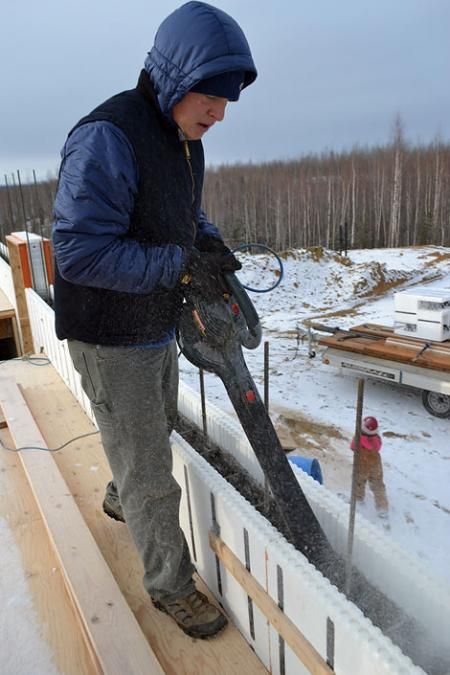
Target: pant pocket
[[84, 362], [87, 381]]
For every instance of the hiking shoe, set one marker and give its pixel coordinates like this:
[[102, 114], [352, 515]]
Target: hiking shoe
[[194, 614], [111, 504]]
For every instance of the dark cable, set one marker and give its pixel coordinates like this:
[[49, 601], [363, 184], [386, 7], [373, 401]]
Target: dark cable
[[32, 447], [32, 360], [248, 247], [40, 361]]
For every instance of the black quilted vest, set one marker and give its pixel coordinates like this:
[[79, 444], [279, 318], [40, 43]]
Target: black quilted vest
[[164, 212]]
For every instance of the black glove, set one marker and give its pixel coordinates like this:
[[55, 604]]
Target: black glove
[[209, 244], [203, 271]]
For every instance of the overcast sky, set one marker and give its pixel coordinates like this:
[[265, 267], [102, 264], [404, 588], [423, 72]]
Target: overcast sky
[[332, 73]]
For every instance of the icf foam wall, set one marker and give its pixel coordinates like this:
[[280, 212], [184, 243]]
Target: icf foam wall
[[386, 565], [307, 598], [42, 322]]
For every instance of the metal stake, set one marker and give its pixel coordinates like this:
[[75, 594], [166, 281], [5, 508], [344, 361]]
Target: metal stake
[[203, 400], [27, 234], [10, 204], [266, 375], [266, 403], [355, 474]]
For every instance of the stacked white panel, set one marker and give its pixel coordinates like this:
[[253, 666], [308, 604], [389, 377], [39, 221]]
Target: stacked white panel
[[405, 324], [435, 331], [423, 313]]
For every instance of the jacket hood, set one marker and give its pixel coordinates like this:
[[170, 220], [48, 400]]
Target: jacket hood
[[196, 42]]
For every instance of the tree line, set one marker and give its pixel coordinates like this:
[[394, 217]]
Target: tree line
[[388, 196]]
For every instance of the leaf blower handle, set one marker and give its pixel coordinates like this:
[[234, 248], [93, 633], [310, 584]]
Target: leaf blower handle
[[250, 332]]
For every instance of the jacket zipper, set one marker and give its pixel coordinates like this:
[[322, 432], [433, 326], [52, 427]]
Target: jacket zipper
[[187, 154]]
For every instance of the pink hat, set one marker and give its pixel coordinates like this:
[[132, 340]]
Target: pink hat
[[369, 426]]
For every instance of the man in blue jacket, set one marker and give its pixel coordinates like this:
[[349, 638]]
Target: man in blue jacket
[[128, 229]]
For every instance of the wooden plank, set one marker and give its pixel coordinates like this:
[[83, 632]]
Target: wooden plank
[[6, 308], [51, 603], [16, 336], [7, 314], [374, 326], [6, 330], [389, 333], [19, 290], [383, 349], [377, 330], [86, 472], [433, 348], [305, 651], [110, 626]]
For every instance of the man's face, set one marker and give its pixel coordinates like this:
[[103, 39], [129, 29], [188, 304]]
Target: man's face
[[196, 113]]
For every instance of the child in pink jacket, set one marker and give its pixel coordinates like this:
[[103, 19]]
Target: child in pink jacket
[[370, 466]]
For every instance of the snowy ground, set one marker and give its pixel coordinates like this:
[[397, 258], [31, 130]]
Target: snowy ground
[[23, 650], [313, 406]]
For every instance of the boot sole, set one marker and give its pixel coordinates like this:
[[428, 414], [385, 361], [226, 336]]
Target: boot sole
[[112, 514], [196, 632]]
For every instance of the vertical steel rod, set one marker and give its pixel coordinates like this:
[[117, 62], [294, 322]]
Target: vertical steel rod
[[10, 205], [355, 475], [25, 224], [266, 375], [40, 211], [15, 195], [203, 399], [266, 403]]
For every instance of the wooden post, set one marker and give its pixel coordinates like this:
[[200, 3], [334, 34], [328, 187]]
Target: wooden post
[[355, 475], [19, 290]]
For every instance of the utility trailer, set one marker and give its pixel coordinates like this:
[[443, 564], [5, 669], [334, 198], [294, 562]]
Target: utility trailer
[[377, 351]]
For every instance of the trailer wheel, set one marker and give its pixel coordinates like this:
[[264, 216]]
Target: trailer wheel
[[436, 404]]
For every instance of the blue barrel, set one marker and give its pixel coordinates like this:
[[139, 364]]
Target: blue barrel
[[309, 466]]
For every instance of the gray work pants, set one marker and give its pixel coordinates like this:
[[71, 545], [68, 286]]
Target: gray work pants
[[133, 391]]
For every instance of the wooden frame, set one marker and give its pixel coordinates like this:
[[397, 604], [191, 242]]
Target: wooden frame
[[19, 290], [8, 315]]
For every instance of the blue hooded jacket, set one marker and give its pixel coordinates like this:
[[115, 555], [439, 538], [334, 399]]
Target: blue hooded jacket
[[99, 179], [196, 42]]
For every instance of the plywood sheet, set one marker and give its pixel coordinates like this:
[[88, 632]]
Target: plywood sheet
[[392, 348]]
